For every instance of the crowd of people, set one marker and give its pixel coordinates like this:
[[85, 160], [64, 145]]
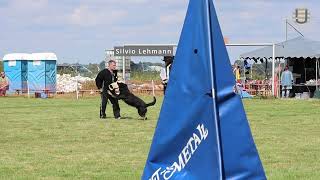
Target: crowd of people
[[286, 80]]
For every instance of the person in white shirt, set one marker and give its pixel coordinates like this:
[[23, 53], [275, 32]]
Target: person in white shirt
[[286, 82], [165, 72]]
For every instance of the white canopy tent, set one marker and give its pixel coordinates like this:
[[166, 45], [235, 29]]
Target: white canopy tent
[[297, 48]]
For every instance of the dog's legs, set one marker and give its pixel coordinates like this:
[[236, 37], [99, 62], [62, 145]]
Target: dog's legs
[[142, 112], [143, 118]]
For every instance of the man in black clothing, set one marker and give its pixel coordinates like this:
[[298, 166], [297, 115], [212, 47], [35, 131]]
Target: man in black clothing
[[103, 80], [165, 72]]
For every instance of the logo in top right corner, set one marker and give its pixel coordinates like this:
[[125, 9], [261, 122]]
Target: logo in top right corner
[[301, 15]]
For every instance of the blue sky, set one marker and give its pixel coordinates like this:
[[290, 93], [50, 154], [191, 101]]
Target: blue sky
[[80, 30]]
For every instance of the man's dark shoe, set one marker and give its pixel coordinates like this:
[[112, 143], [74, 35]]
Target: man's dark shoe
[[118, 118], [103, 117]]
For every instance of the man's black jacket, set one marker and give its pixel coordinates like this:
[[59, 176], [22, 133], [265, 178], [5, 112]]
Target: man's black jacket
[[105, 78]]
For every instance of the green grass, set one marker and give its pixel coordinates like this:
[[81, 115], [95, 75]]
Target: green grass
[[65, 139], [145, 76], [287, 133]]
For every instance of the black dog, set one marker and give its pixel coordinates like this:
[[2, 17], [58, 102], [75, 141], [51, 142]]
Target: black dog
[[121, 91]]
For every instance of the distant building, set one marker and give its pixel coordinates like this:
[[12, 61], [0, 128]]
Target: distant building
[[119, 60]]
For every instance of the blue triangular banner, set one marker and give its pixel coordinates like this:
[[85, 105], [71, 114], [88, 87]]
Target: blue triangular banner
[[202, 131]]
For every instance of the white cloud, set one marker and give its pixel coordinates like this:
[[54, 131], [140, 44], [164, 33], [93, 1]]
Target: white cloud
[[86, 16], [28, 5], [83, 16], [19, 13], [172, 18]]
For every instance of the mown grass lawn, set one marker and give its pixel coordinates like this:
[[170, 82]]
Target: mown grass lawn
[[64, 138]]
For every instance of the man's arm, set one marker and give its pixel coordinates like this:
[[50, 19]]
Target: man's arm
[[99, 80]]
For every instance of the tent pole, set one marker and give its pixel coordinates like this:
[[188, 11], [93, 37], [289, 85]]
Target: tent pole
[[286, 29], [279, 77], [251, 70], [273, 61], [317, 74], [214, 94]]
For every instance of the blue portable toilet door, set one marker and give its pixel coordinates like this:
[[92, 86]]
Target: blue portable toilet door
[[51, 76], [24, 76], [36, 75], [13, 72]]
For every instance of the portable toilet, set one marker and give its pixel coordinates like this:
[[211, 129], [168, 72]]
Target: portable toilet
[[16, 69], [42, 70]]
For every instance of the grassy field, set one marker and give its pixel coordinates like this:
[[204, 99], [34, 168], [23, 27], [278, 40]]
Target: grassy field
[[145, 76], [65, 139]]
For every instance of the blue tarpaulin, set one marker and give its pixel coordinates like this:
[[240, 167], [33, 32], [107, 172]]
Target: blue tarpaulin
[[202, 131]]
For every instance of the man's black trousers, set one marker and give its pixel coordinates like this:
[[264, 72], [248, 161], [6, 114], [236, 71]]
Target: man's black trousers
[[115, 104]]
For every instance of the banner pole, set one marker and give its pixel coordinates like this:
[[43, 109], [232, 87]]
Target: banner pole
[[273, 70]]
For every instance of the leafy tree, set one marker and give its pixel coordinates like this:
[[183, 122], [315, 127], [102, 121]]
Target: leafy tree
[[102, 65]]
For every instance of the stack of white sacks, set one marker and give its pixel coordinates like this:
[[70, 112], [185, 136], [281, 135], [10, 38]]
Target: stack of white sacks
[[312, 82], [66, 83]]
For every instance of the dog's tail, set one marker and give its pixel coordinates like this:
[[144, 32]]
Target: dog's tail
[[152, 103]]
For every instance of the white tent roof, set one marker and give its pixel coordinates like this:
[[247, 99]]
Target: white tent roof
[[17, 56], [44, 56], [294, 48]]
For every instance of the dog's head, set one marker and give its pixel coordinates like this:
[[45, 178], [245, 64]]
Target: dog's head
[[114, 88]]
